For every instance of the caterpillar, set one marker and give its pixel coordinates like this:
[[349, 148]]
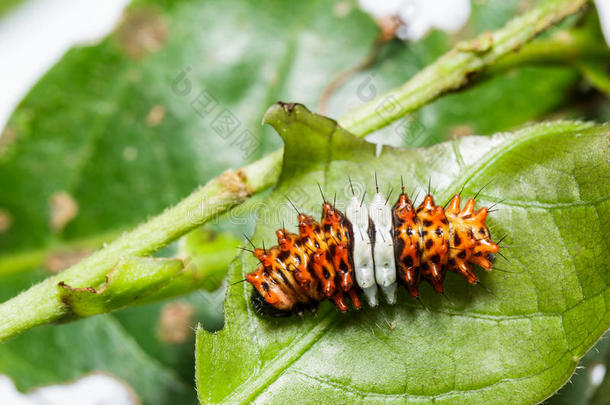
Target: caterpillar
[[368, 249]]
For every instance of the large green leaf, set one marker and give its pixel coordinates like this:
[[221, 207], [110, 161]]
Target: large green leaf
[[516, 343]]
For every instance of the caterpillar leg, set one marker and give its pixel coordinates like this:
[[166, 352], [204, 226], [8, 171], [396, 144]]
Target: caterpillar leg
[[465, 270], [355, 298], [339, 299]]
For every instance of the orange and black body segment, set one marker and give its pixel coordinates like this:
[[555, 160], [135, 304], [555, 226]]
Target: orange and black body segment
[[434, 228], [407, 238]]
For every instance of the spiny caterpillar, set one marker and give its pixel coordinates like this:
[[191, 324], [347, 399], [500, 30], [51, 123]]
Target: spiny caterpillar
[[368, 249]]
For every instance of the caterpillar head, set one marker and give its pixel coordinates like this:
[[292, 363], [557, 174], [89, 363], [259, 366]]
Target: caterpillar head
[[268, 290], [260, 304]]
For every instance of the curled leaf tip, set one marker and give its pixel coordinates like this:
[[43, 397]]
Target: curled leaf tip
[[280, 110]]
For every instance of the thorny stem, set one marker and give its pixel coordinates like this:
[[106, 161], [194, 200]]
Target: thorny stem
[[42, 304]]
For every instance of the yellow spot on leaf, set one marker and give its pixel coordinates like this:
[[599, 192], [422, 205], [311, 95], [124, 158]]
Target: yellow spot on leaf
[[7, 137], [59, 261], [342, 9], [460, 131], [176, 323], [63, 210], [155, 116], [6, 220], [141, 32]]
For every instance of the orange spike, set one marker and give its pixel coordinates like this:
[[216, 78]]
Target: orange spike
[[437, 285], [285, 240], [403, 200], [428, 203], [486, 246], [438, 211], [454, 205], [264, 288], [264, 256], [481, 215], [272, 297], [468, 208], [253, 277], [342, 256], [410, 276]]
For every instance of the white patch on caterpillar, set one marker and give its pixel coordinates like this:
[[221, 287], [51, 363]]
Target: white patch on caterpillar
[[363, 255], [383, 252]]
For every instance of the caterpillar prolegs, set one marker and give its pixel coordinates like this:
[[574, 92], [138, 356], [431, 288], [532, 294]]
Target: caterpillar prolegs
[[367, 249]]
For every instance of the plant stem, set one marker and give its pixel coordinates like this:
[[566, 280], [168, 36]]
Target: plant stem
[[565, 47], [453, 69], [42, 304]]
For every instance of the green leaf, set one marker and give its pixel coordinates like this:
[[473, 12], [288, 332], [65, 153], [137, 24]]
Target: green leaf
[[52, 354], [517, 340]]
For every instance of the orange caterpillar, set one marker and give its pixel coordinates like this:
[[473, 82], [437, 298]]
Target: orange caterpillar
[[369, 249]]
